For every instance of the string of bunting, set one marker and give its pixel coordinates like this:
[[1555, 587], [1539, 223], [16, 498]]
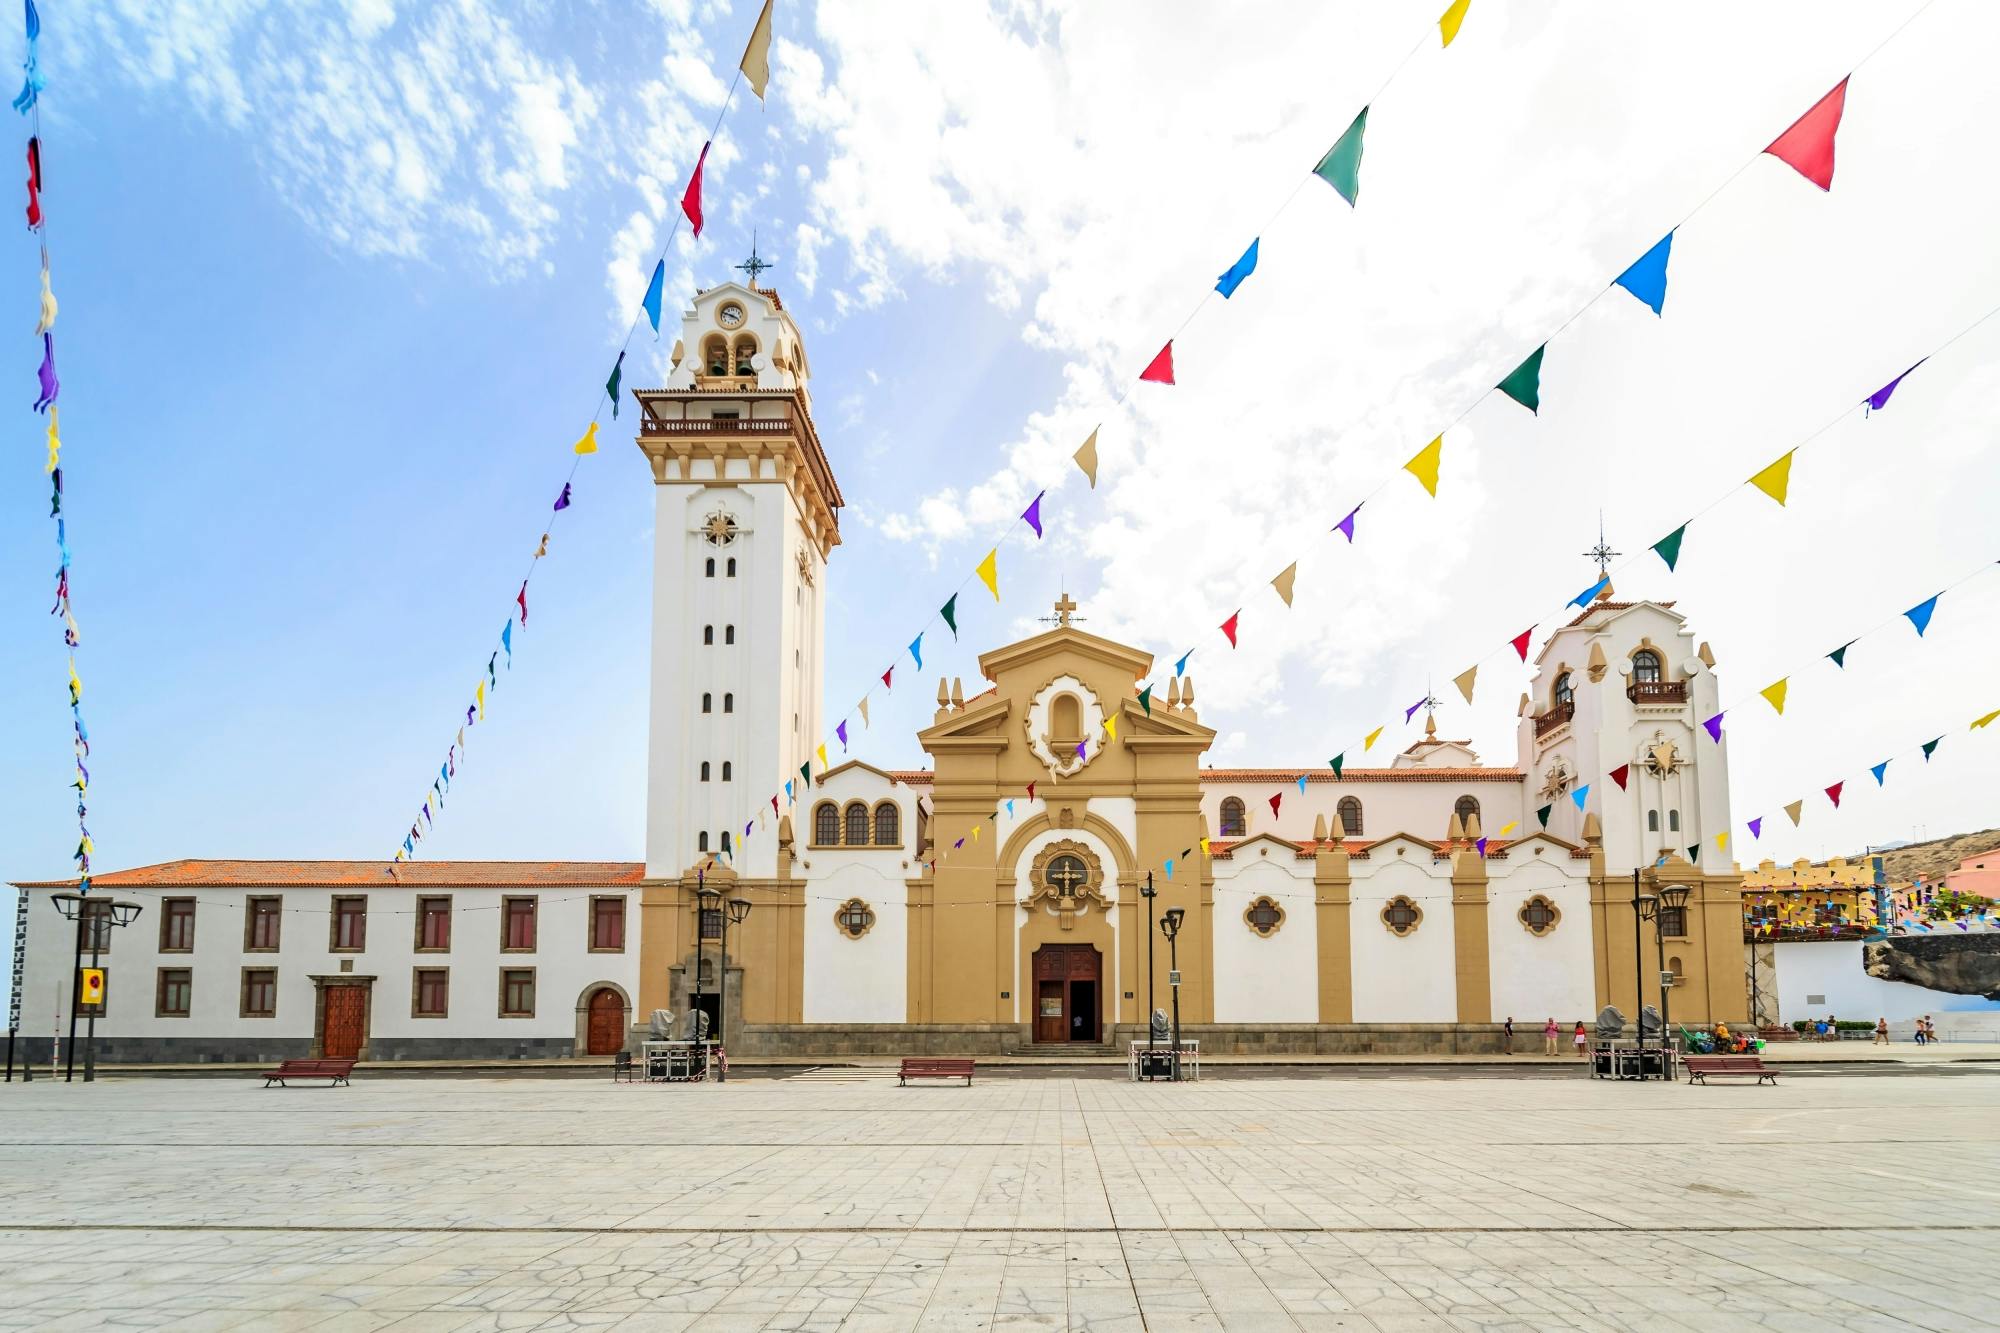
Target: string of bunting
[[49, 388], [755, 66]]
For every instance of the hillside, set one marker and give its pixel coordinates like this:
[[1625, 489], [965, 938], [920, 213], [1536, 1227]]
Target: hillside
[[1935, 858]]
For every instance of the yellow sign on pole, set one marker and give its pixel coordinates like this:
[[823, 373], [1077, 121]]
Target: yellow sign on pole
[[93, 985]]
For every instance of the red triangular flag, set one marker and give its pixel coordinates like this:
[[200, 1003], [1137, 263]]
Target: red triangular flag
[[691, 201], [885, 678], [1031, 791], [1520, 642], [1229, 628], [1807, 147], [1274, 803], [1833, 792], [522, 598], [1161, 371], [1620, 773]]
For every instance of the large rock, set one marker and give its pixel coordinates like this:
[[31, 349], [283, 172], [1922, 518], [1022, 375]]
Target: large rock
[[1958, 964]]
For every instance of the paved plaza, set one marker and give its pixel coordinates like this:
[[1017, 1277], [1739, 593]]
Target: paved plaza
[[840, 1201]]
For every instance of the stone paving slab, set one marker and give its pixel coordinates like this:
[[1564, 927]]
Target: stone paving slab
[[414, 1204]]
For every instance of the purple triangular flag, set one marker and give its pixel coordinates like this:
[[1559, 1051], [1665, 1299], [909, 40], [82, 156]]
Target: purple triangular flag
[[1757, 827], [1714, 726], [1032, 515], [1481, 844], [1079, 748], [841, 731], [1880, 398], [1346, 525], [562, 501], [1411, 711]]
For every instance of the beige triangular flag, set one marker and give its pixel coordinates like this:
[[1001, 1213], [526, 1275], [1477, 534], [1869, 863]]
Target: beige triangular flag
[[1793, 810], [1464, 681], [756, 62], [1086, 457], [1283, 583], [864, 712]]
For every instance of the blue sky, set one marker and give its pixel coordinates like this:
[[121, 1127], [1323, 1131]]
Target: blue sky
[[339, 284]]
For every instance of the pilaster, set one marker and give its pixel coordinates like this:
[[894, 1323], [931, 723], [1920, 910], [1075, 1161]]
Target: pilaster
[[1332, 905], [1473, 963]]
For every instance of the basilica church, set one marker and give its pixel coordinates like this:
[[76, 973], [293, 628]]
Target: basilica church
[[1407, 908]]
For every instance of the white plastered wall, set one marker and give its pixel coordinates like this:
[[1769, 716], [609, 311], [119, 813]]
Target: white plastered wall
[[1411, 978], [1274, 978], [1535, 978]]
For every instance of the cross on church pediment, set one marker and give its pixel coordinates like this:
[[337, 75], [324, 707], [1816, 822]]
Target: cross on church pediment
[[1065, 614]]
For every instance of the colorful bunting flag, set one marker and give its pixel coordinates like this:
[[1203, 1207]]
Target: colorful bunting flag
[[1839, 655], [1694, 851], [1481, 846], [562, 500], [1170, 867], [1590, 594], [1302, 784], [1449, 21], [1424, 467], [1714, 727], [1833, 793], [1346, 525], [1776, 480], [1411, 711], [1929, 746], [1341, 167], [1757, 827], [655, 292], [691, 201], [1031, 791], [1368, 743], [1233, 276], [863, 707], [1880, 398], [1204, 846], [1774, 694], [611, 384], [756, 62], [1524, 383], [1160, 370], [1721, 840], [1543, 815], [1180, 667], [841, 732], [45, 375], [1920, 614], [1032, 515], [1283, 583], [1880, 771], [1983, 721], [1793, 811], [588, 443], [1520, 642], [1668, 548], [1464, 681], [950, 613], [34, 82], [1807, 147], [521, 598], [1620, 774], [479, 697], [1086, 457], [916, 651], [1229, 627], [1335, 763], [1509, 827], [989, 572], [1647, 277], [1111, 728], [1146, 700], [1580, 795], [1276, 797]]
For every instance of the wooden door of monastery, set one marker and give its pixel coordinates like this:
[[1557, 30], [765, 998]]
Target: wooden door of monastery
[[341, 1021]]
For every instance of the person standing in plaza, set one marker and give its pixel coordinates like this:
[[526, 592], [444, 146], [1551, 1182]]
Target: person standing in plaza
[[1582, 1042], [1882, 1032], [1508, 1028], [1549, 1034]]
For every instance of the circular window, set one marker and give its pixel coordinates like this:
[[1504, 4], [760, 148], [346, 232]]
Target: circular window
[[855, 918], [1538, 915], [1264, 916], [1401, 916], [1067, 874]]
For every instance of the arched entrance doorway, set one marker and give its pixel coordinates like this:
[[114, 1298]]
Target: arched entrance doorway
[[604, 1032], [1067, 977]]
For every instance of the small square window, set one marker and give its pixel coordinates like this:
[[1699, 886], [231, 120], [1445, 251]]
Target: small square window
[[431, 993], [260, 992], [517, 992], [176, 991]]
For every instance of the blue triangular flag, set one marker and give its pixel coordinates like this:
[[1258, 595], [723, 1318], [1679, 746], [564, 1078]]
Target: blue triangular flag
[[1580, 795], [1241, 269], [1589, 595], [654, 290], [1170, 867], [917, 651], [507, 641], [1180, 667], [1647, 278], [1920, 614], [1878, 770]]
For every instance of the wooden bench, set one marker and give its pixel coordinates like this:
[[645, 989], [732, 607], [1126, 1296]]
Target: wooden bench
[[1699, 1067], [334, 1071], [932, 1067]]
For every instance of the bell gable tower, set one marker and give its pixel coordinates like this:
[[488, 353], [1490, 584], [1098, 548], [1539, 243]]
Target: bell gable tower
[[747, 513]]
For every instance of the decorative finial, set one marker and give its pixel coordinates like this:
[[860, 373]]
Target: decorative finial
[[1602, 553], [753, 265], [1065, 613]]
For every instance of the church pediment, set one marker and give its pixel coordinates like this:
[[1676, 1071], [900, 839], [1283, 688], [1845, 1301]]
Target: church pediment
[[976, 726], [1066, 642], [1162, 728]]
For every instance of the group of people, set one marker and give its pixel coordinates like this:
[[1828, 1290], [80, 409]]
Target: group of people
[[1551, 1036], [1726, 1042]]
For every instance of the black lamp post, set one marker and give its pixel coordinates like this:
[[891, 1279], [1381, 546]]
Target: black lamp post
[[737, 910], [1673, 898], [1644, 905], [82, 909], [1149, 893], [705, 900], [1170, 926]]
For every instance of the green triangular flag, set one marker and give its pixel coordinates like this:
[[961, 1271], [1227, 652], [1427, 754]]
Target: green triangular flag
[[1524, 386], [1928, 747], [1839, 655], [1543, 815], [950, 613], [1341, 167], [805, 772], [611, 385], [1668, 548], [1337, 761], [1146, 700], [1694, 852]]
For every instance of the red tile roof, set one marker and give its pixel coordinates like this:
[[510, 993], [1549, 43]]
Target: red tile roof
[[364, 874], [1595, 607]]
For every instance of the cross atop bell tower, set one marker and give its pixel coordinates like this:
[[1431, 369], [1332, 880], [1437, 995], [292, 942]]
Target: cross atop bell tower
[[753, 266]]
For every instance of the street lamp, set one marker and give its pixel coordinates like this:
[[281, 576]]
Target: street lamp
[[705, 900], [1673, 898], [739, 908], [1170, 926], [1644, 905], [1149, 893], [82, 909]]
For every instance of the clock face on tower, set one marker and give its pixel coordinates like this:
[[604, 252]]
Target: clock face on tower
[[731, 315]]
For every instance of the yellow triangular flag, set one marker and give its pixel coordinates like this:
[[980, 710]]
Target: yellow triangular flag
[[480, 695], [1086, 457], [76, 683], [864, 712], [822, 758], [1721, 841], [1509, 829], [1464, 681], [1424, 467], [1776, 480], [1369, 744], [1448, 21], [989, 572], [1984, 720], [756, 62], [975, 833], [1204, 846], [1793, 810], [1111, 727], [55, 443], [588, 444], [1283, 583], [1774, 695]]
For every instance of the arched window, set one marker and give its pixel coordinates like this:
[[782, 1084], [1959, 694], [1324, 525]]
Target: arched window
[[725, 840], [1652, 821], [1065, 722], [715, 355], [711, 567], [1674, 966], [728, 703], [1350, 817], [888, 826], [1673, 821], [708, 634], [732, 566], [857, 825], [826, 825], [1646, 665], [729, 634], [701, 841], [1232, 818], [1467, 809], [704, 770], [707, 702], [725, 770], [1564, 694]]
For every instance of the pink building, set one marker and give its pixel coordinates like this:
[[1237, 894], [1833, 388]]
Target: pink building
[[1977, 874]]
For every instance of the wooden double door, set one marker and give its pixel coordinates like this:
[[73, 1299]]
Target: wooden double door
[[1069, 983], [343, 1021]]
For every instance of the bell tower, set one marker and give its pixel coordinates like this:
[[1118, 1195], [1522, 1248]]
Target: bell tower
[[746, 515]]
